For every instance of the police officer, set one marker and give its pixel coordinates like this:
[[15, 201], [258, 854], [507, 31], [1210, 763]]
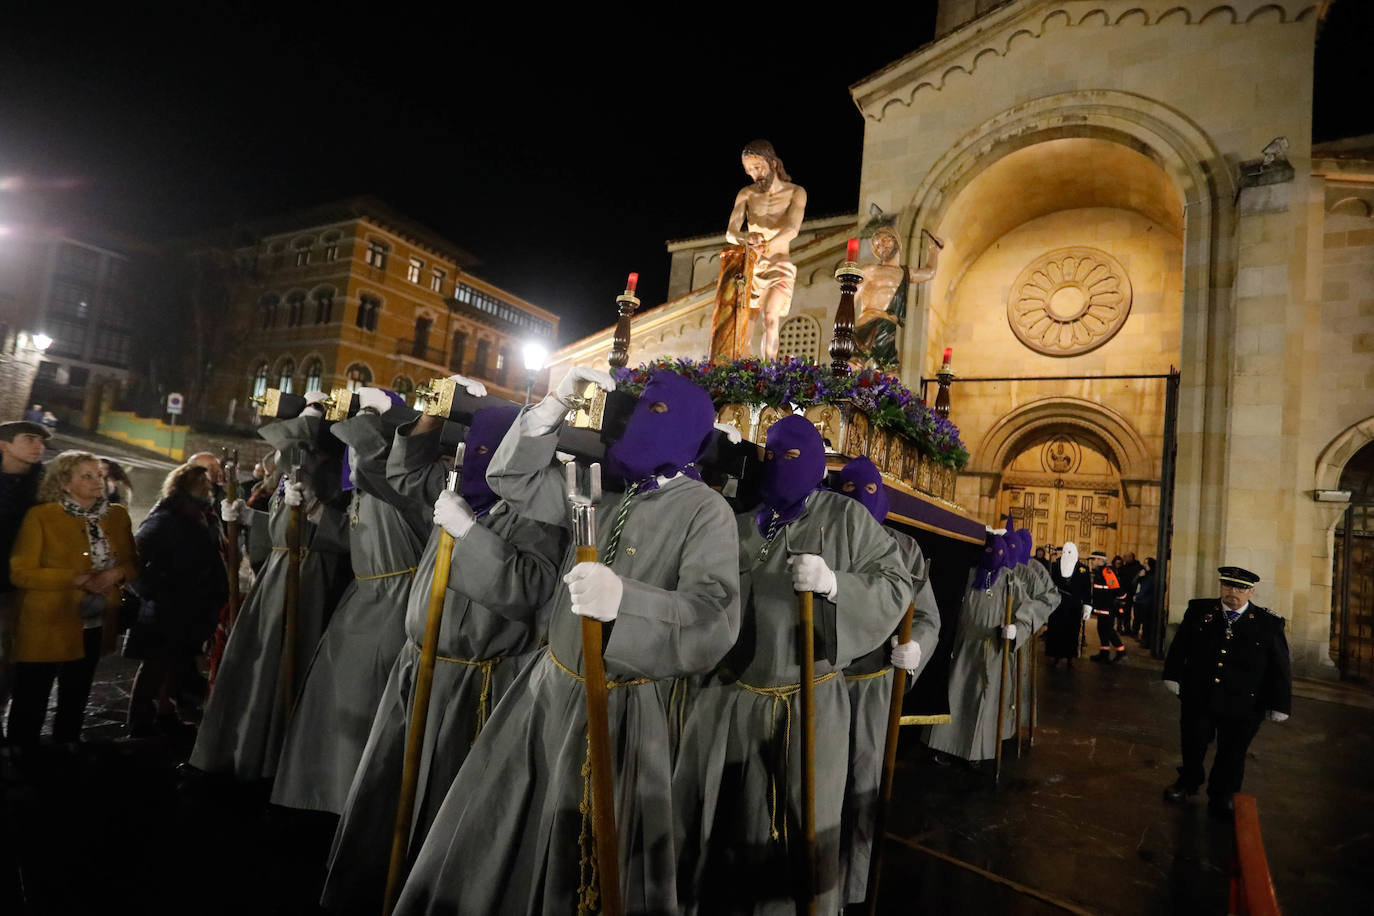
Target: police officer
[[1107, 592], [1228, 665]]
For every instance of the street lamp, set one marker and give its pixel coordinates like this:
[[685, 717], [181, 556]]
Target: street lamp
[[535, 353], [41, 342]]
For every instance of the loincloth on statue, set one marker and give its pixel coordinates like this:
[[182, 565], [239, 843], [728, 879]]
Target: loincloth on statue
[[772, 273]]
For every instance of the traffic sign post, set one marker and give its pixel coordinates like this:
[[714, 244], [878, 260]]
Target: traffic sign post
[[175, 405]]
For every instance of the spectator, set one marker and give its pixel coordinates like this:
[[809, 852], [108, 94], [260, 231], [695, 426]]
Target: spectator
[[182, 586], [34, 414], [1129, 573], [119, 489], [1145, 598], [73, 552], [21, 469]]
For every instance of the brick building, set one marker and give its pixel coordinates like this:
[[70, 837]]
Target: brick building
[[351, 294]]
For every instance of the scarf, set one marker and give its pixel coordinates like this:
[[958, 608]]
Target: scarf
[[102, 557]]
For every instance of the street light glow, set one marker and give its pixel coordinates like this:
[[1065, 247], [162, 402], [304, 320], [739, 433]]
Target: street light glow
[[535, 354], [41, 342]]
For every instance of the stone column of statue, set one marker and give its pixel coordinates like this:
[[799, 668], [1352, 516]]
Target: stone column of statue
[[767, 217], [882, 299]]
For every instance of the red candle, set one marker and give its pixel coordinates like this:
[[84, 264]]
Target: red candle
[[631, 283], [852, 250], [949, 352]]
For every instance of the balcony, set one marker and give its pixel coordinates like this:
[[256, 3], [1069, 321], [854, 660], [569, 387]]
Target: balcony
[[417, 351]]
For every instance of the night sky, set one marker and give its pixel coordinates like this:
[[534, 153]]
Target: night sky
[[562, 160]]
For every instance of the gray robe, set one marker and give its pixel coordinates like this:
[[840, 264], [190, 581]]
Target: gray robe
[[1041, 595], [503, 573], [512, 836], [869, 681], [976, 664], [737, 783], [244, 724], [334, 713]]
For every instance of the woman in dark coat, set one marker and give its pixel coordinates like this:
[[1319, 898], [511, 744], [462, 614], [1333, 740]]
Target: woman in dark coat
[[183, 585], [1075, 586]]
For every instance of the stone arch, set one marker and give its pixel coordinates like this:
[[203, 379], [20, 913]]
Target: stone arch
[[1122, 442], [1330, 466], [1207, 193], [1332, 460]]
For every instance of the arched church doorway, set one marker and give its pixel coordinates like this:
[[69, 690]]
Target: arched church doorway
[[1063, 484], [1352, 605]]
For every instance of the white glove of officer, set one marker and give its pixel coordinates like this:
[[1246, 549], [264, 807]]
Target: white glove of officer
[[1008, 632], [313, 407], [294, 495], [906, 655], [1172, 687], [731, 432], [810, 574], [1087, 611], [595, 591], [373, 399], [453, 514], [230, 509], [1276, 716], [545, 416], [470, 385]]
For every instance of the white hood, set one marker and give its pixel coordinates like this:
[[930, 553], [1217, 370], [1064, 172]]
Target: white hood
[[1068, 560]]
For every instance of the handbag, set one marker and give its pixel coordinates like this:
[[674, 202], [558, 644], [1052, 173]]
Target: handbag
[[129, 606]]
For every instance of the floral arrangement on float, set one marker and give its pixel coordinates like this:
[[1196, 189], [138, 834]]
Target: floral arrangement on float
[[863, 412]]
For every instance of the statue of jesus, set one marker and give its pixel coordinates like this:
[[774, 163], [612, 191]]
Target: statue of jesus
[[767, 217]]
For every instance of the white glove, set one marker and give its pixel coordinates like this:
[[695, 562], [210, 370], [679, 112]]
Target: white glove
[[453, 514], [570, 383], [595, 591], [1172, 687], [373, 399], [471, 386], [313, 407], [906, 655], [294, 495], [731, 432], [230, 509], [1008, 632], [1087, 611], [810, 574], [1276, 716], [545, 416]]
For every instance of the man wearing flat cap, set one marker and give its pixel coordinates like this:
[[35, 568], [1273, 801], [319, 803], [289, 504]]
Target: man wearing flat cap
[[21, 469], [1228, 665]]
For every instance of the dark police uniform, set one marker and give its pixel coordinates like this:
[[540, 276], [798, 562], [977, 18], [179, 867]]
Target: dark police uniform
[[1232, 668]]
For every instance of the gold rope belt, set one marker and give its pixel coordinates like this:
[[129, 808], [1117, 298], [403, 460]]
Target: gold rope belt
[[852, 678], [781, 694], [636, 682], [486, 666], [387, 575]]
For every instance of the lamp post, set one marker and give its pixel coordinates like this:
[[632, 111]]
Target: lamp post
[[41, 342], [535, 353]]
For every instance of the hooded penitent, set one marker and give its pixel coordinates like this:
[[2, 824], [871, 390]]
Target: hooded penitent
[[1068, 560], [995, 559], [350, 461], [670, 427], [1021, 546], [793, 467], [489, 427], [862, 480]]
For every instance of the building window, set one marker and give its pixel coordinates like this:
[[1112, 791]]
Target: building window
[[501, 359], [420, 345], [436, 280], [485, 302], [402, 386], [314, 375], [368, 307], [259, 379], [324, 306], [358, 376], [295, 307], [302, 257], [78, 263], [278, 259], [331, 248], [267, 310], [376, 254], [285, 374], [455, 356], [483, 351], [413, 268], [800, 336]]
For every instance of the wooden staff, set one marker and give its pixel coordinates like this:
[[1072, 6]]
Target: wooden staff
[[292, 604], [1034, 696], [1002, 692], [806, 601], [1016, 701], [419, 708], [231, 554], [894, 725], [598, 718]]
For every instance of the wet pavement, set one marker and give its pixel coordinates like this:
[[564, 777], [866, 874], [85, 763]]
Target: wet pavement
[[1077, 826]]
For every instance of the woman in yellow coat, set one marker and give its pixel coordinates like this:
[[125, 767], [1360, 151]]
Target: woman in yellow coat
[[73, 552]]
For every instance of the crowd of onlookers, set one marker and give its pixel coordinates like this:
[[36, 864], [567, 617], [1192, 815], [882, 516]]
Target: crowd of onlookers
[[77, 583], [1135, 611]]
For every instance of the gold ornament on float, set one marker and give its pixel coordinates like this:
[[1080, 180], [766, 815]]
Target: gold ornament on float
[[1069, 301]]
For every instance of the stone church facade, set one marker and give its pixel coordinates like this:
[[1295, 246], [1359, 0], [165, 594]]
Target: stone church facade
[[1113, 209]]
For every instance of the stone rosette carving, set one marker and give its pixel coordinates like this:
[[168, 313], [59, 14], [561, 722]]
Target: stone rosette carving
[[1069, 301]]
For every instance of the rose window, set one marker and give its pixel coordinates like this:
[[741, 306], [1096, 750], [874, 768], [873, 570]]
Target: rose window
[[1069, 301]]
